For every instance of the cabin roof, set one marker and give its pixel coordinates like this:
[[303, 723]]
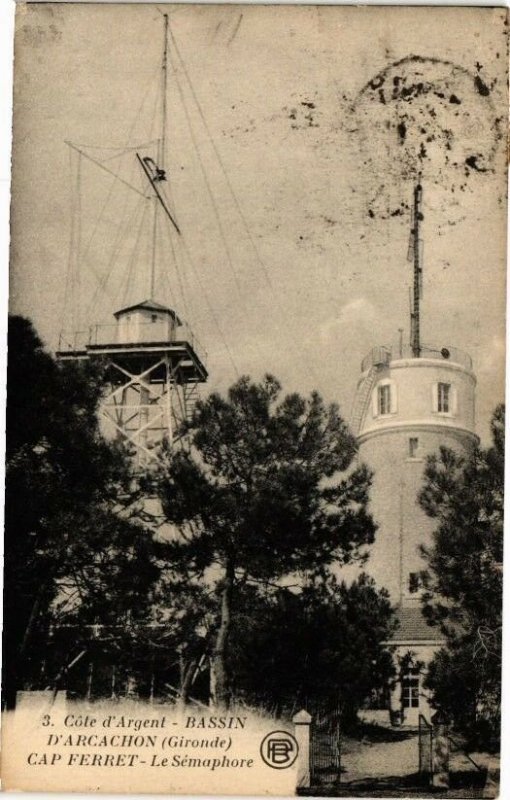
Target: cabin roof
[[412, 625], [149, 305]]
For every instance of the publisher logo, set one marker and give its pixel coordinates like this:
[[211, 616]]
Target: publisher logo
[[279, 749]]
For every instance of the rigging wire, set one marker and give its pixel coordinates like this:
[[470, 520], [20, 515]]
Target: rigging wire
[[96, 225], [210, 306], [125, 151], [161, 157], [168, 195], [206, 181], [117, 244], [175, 262], [133, 254], [145, 95], [76, 257], [220, 160], [103, 281], [183, 244], [72, 253], [244, 221], [153, 255], [78, 239], [122, 147], [155, 111], [153, 272], [67, 289], [102, 166], [121, 233]]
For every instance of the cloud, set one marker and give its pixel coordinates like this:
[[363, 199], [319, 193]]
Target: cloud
[[492, 358], [359, 315]]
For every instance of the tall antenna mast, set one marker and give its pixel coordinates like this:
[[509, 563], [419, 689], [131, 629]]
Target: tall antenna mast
[[161, 153], [165, 89], [415, 255]]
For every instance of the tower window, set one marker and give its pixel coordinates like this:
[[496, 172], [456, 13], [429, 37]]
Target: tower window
[[384, 399], [443, 398], [413, 447], [411, 690], [154, 317]]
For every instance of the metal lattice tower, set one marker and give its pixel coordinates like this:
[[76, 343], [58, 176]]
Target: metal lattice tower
[[151, 363], [152, 371]]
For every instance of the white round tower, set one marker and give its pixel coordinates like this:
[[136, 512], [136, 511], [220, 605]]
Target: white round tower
[[410, 401], [407, 407]]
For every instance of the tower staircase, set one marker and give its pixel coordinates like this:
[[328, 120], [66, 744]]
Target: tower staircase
[[362, 400], [191, 397]]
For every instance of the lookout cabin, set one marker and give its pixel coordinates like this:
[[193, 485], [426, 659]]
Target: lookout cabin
[[146, 322]]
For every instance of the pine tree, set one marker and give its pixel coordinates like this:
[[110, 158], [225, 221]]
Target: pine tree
[[266, 489], [72, 558], [319, 646], [464, 581]]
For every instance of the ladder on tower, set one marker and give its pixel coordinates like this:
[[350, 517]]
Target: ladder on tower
[[362, 400], [191, 398]]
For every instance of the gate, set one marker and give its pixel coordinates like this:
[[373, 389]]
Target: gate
[[325, 749], [424, 750]]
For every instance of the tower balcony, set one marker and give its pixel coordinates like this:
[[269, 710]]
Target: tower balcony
[[384, 355], [101, 340], [109, 336]]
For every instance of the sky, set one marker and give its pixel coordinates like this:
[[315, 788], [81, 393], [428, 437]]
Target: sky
[[291, 181]]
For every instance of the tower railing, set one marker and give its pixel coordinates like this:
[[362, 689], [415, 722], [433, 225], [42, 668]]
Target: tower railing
[[380, 356], [146, 333]]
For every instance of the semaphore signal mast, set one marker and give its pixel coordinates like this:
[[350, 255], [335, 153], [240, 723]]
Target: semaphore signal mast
[[153, 365], [415, 254]]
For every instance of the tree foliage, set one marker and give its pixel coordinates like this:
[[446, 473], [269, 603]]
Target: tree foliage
[[318, 648], [464, 581], [72, 557], [266, 489]]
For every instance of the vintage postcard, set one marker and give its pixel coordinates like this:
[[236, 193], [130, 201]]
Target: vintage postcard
[[255, 415]]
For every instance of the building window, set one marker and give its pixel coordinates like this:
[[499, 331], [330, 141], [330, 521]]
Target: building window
[[443, 398], [384, 399], [154, 317], [413, 447], [411, 690]]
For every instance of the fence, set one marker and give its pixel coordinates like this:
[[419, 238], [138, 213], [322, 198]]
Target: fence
[[383, 355], [110, 335], [424, 750], [325, 749]]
